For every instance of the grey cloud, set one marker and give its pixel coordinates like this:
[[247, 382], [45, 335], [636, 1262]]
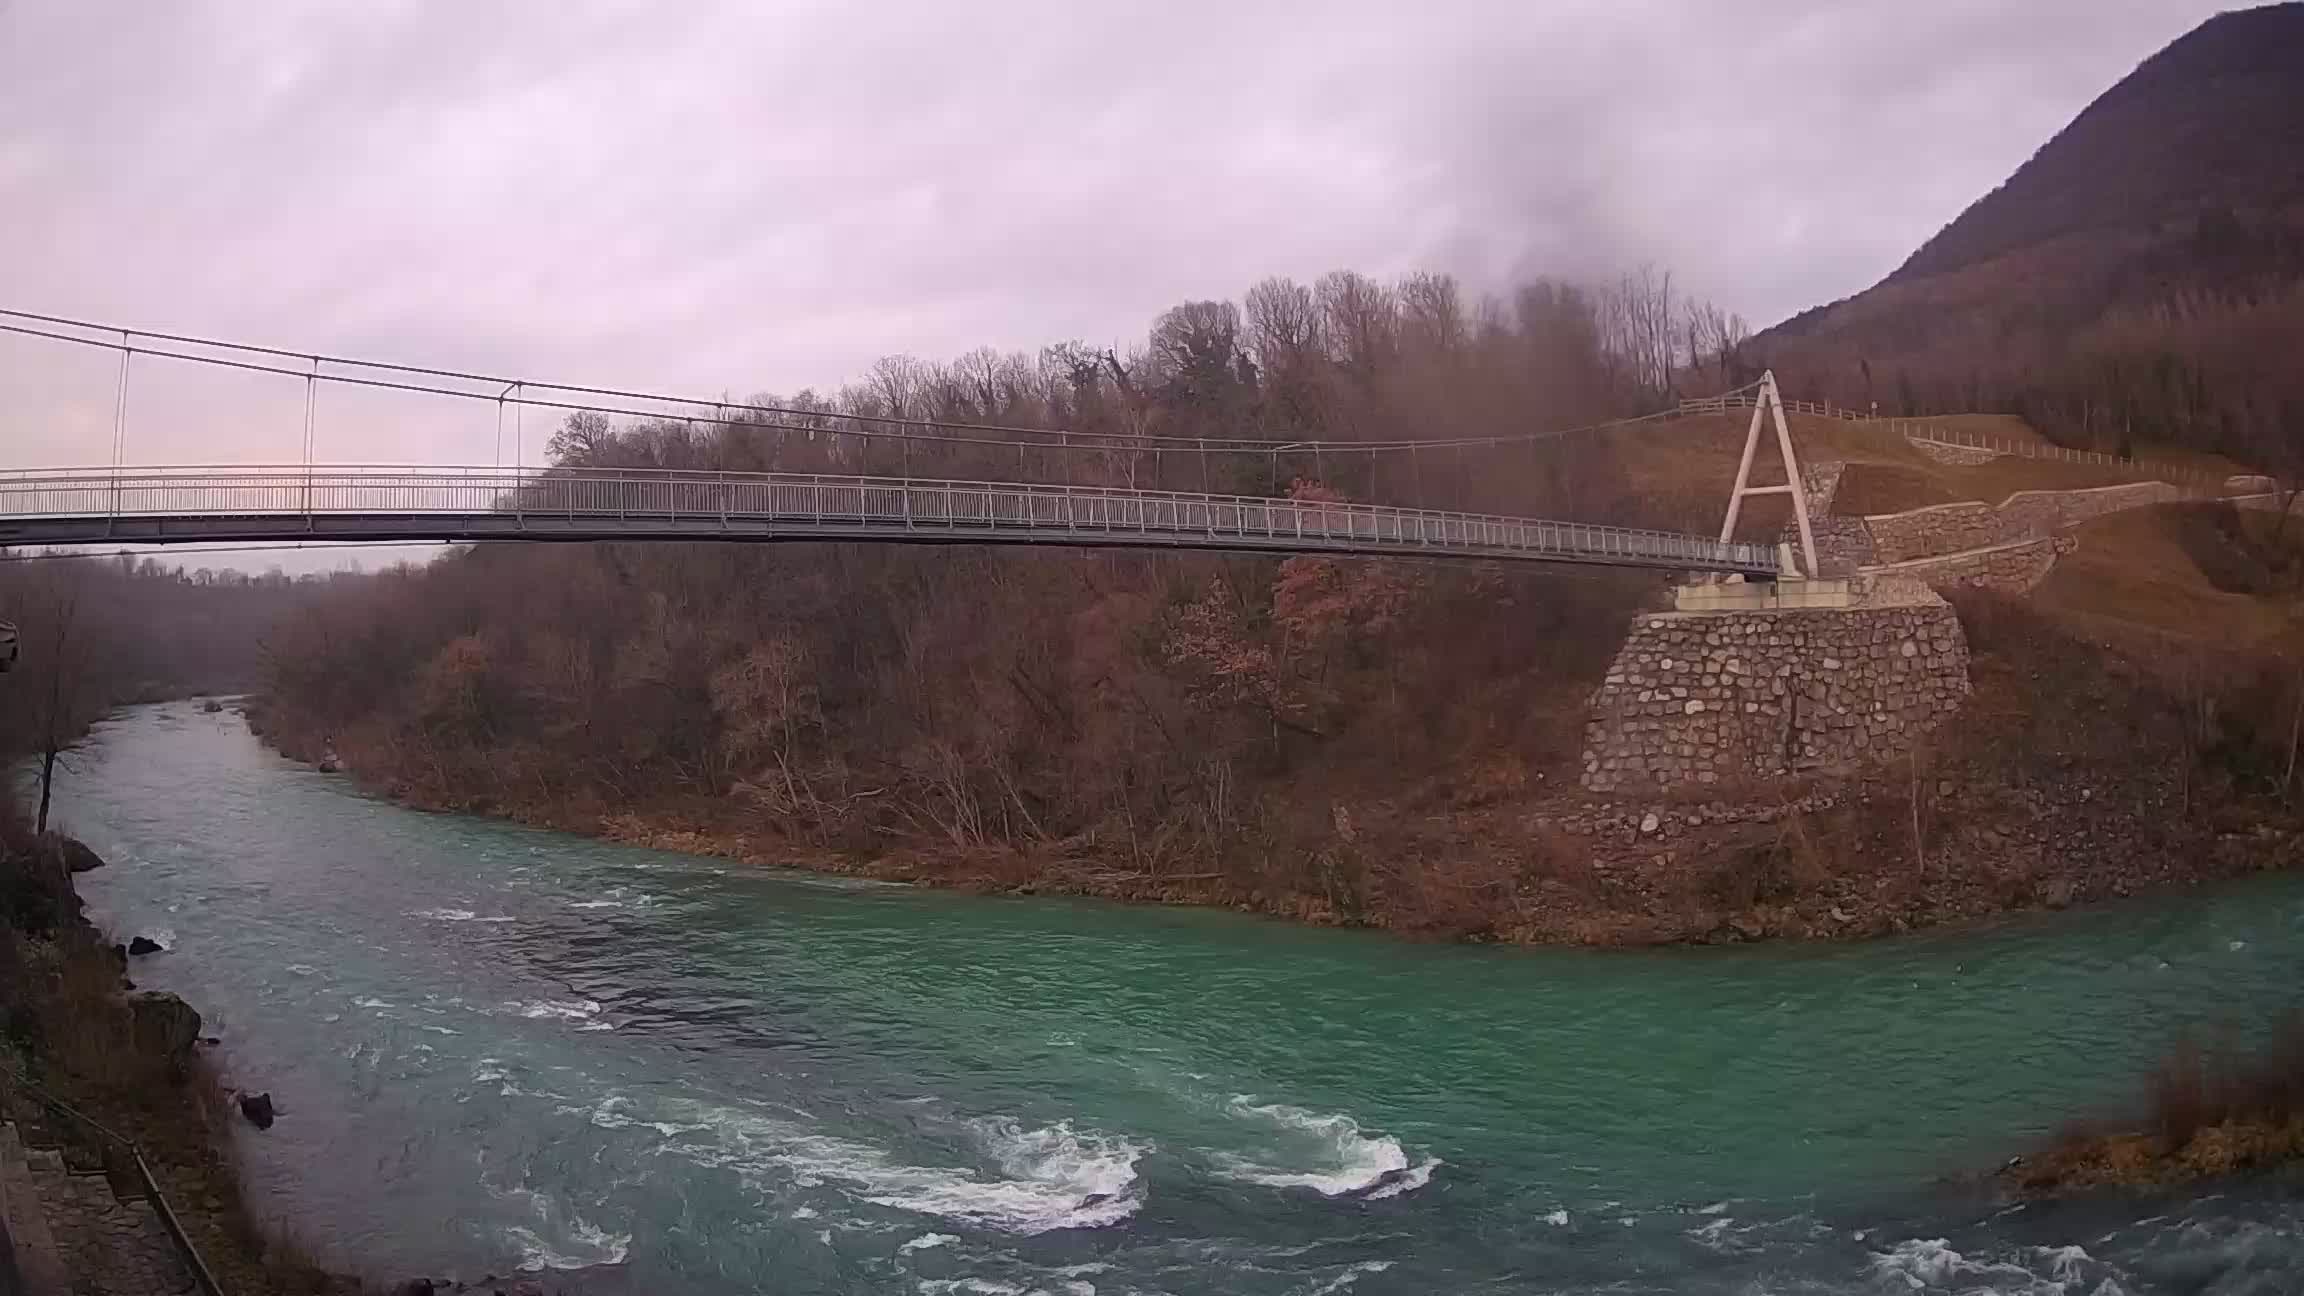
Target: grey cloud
[[734, 197]]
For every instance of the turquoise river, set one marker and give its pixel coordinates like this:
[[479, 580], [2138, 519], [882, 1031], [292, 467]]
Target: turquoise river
[[495, 1048]]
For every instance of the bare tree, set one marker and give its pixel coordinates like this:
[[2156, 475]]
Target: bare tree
[[1283, 324], [583, 440], [1432, 313], [1649, 316], [1359, 320], [899, 384], [61, 674], [1714, 337]]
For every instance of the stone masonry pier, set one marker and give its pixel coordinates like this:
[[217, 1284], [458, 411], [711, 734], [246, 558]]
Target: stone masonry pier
[[1755, 681], [1707, 698]]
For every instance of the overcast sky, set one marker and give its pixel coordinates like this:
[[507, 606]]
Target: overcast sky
[[744, 197]]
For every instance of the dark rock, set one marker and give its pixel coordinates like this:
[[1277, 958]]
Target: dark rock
[[1381, 1182], [145, 945], [162, 1023], [77, 856], [212, 706], [258, 1109]]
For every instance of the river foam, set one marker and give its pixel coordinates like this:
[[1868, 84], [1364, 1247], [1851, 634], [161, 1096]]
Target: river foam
[[852, 1038], [561, 1239], [556, 1009], [1041, 1178], [1327, 1153], [1932, 1265]]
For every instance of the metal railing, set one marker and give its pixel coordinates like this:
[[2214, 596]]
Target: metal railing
[[121, 1152], [1742, 399], [80, 505], [2193, 481]]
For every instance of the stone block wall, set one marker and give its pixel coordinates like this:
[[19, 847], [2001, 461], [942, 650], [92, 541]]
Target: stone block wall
[[1945, 452], [1938, 529], [1843, 544], [2028, 513], [2012, 568], [1699, 698], [1820, 482]]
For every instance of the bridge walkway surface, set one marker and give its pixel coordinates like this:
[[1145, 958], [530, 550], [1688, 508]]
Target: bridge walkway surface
[[377, 503]]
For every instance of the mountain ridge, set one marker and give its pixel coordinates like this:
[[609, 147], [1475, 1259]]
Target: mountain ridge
[[2141, 275]]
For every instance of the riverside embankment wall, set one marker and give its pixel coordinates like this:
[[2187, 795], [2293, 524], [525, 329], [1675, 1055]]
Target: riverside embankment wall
[[1706, 698]]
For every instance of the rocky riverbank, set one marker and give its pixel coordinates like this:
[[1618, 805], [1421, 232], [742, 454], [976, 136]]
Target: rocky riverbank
[[1948, 837], [2080, 768], [135, 1060], [2206, 1115]]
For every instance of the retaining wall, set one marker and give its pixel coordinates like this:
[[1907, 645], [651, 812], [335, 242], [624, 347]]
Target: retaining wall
[[1944, 452], [1943, 529], [1937, 529], [1843, 544], [1696, 698], [2012, 568], [2038, 512]]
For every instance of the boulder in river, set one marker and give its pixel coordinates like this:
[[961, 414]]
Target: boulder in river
[[145, 945], [1389, 1179], [77, 856], [257, 1107], [211, 706], [162, 1023]]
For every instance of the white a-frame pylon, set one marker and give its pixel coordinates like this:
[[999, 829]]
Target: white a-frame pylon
[[1765, 405]]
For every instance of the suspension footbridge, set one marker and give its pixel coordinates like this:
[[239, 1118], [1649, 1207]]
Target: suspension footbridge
[[122, 503]]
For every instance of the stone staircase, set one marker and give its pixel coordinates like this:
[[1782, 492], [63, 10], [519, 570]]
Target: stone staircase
[[75, 1228]]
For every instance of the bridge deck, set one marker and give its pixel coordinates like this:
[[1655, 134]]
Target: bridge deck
[[165, 505]]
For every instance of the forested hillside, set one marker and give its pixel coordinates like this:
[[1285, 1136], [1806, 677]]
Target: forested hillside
[[2140, 279], [1142, 710], [99, 632]]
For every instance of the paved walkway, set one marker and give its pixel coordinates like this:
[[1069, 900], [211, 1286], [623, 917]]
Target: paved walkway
[[109, 1247]]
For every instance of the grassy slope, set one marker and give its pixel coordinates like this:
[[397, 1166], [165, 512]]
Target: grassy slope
[[1685, 468], [2164, 575]]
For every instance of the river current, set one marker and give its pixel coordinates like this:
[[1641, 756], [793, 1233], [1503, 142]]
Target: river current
[[496, 1048]]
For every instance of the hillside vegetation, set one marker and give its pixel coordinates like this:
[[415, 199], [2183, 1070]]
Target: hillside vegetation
[[1154, 720], [1383, 742]]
